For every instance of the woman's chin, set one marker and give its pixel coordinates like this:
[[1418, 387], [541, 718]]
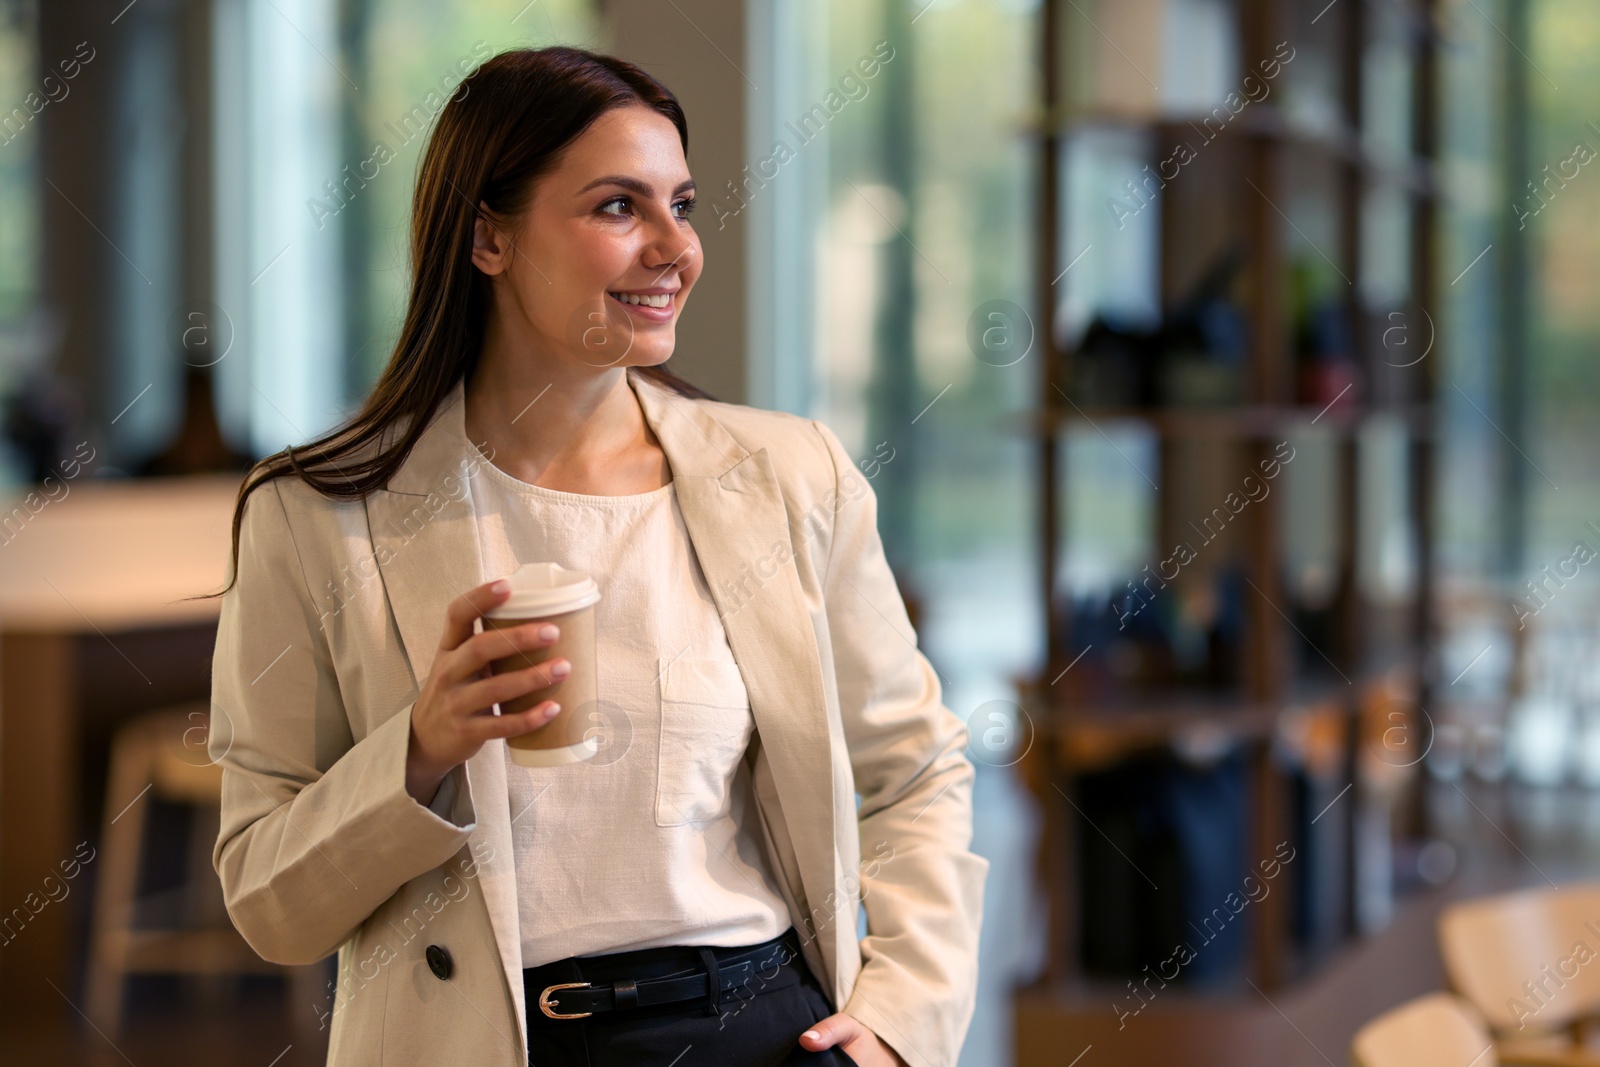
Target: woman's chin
[[650, 355], [638, 350]]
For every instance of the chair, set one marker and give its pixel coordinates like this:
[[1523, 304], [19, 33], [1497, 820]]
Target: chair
[[1436, 1030], [162, 754], [1529, 962]]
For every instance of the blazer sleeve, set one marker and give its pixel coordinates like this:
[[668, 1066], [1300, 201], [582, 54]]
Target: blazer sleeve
[[317, 829], [921, 885]]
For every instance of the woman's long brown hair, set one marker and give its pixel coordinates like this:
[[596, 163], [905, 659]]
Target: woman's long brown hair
[[501, 131]]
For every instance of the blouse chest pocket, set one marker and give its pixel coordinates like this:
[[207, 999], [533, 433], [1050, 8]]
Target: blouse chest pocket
[[705, 730]]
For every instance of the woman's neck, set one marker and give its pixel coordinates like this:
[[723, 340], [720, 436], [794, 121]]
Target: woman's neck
[[579, 430]]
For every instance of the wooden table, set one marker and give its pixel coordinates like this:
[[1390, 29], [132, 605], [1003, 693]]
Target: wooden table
[[92, 630]]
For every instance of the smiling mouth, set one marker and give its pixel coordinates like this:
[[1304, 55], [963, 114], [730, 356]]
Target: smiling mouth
[[658, 300]]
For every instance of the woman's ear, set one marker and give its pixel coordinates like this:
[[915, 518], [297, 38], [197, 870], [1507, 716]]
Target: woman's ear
[[490, 243]]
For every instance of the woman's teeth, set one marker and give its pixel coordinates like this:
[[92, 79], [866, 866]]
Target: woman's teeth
[[660, 301]]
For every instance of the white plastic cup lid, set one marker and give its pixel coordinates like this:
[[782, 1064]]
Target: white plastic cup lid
[[543, 589]]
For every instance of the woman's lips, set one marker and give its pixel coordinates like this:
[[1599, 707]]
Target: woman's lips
[[651, 314]]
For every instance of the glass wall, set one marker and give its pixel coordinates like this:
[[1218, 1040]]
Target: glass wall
[[925, 362], [406, 55], [922, 240], [19, 239], [337, 98], [1473, 123], [21, 343], [1558, 199]]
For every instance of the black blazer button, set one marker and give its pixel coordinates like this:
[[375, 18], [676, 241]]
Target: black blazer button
[[439, 962]]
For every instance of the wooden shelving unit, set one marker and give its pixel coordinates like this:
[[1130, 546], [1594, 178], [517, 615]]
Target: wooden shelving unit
[[1363, 675]]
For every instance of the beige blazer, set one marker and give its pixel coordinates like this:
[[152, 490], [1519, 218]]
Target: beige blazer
[[333, 625]]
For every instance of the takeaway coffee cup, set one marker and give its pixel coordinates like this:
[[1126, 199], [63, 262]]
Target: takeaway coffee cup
[[548, 592]]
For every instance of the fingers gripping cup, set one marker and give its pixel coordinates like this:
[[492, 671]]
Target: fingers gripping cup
[[548, 592]]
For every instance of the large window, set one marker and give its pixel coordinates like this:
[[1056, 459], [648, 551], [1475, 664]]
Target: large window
[[918, 193], [1559, 191], [405, 54], [322, 110], [19, 139], [923, 226], [21, 333], [1472, 150]]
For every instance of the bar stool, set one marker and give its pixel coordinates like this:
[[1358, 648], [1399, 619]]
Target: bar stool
[[1527, 961], [1436, 1030], [162, 755]]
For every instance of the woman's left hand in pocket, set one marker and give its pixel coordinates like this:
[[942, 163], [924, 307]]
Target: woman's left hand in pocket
[[859, 1043]]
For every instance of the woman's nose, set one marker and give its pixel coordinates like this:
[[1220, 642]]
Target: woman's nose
[[676, 254]]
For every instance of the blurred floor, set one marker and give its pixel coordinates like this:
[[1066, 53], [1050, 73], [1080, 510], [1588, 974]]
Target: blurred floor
[[168, 1024], [1507, 837], [1504, 835]]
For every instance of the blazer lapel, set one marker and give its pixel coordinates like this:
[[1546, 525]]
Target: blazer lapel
[[424, 532], [734, 511], [425, 536]]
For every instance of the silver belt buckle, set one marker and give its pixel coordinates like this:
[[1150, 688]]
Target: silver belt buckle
[[545, 1006]]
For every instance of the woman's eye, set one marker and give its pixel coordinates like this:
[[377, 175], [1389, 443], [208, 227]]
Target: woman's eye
[[684, 206]]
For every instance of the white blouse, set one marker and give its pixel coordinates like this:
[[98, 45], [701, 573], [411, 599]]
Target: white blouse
[[656, 841]]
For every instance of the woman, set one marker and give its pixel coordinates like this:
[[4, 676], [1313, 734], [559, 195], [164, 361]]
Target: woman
[[699, 885]]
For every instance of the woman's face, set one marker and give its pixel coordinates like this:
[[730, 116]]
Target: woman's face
[[598, 267]]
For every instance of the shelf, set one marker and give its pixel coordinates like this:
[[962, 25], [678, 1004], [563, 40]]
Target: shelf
[[1187, 1027], [1251, 421], [1095, 734], [1258, 121], [1250, 170]]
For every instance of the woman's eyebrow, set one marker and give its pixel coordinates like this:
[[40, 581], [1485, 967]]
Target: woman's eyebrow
[[643, 188]]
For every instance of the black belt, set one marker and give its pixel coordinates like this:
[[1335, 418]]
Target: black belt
[[742, 972]]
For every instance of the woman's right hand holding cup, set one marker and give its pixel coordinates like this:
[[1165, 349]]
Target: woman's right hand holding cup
[[454, 714]]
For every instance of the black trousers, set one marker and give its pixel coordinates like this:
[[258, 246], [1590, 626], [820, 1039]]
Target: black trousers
[[758, 1023]]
